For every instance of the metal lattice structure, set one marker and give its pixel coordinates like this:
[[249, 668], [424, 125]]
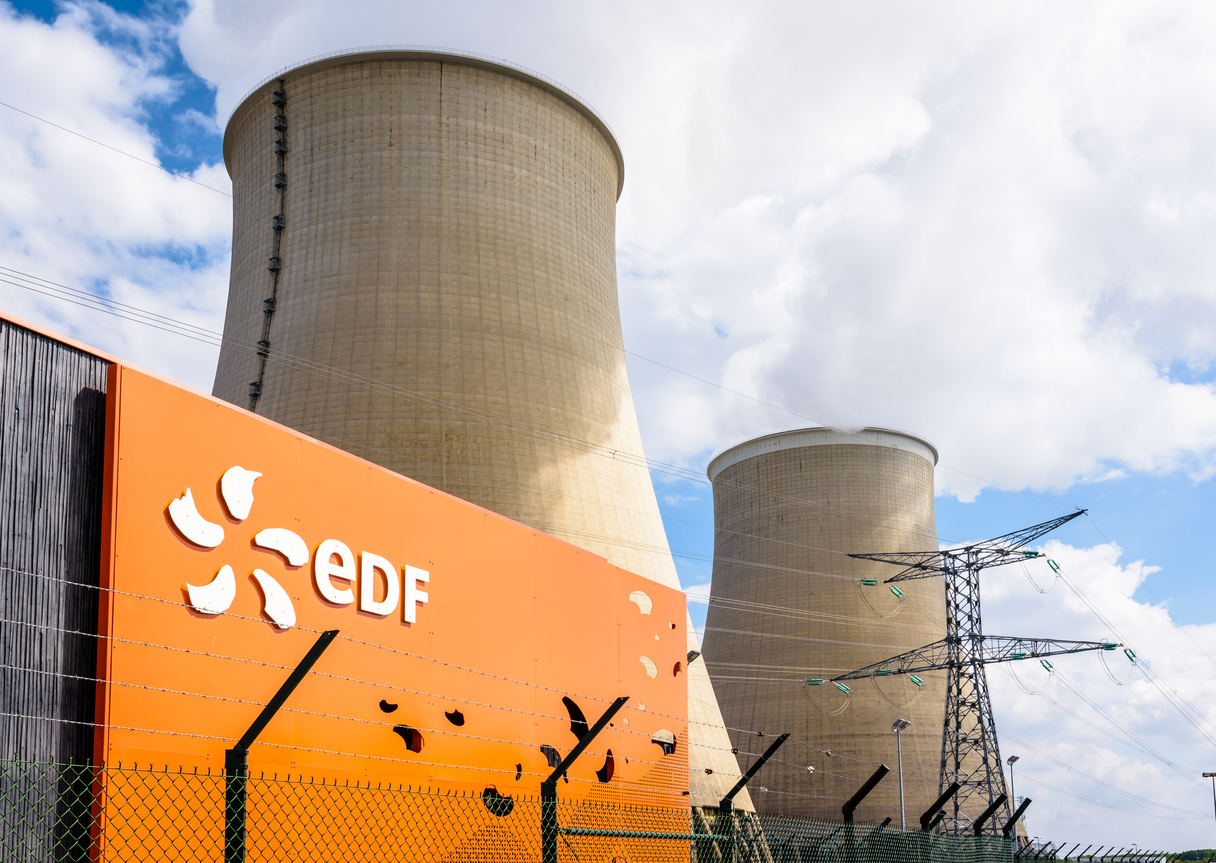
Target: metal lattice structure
[[970, 755]]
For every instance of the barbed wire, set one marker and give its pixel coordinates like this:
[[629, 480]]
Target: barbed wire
[[136, 314], [455, 699], [302, 628], [373, 684], [317, 750]]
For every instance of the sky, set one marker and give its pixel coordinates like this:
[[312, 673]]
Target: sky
[[986, 224]]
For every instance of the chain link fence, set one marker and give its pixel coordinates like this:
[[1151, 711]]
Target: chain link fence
[[79, 814]]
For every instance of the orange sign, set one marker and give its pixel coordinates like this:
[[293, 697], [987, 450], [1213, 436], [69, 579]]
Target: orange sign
[[472, 650]]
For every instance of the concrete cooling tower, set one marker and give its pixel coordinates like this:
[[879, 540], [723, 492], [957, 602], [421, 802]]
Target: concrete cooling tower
[[787, 605], [424, 274]]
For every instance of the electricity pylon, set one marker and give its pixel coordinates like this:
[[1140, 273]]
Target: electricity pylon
[[970, 755]]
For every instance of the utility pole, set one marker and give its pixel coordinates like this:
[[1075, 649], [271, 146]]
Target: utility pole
[[898, 727], [970, 755]]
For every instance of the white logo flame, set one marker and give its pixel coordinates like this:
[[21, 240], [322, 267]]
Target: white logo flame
[[236, 490]]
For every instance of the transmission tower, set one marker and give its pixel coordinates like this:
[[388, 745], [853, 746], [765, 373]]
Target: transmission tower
[[970, 755]]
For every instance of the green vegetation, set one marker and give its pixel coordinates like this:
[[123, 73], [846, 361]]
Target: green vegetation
[[1203, 854]]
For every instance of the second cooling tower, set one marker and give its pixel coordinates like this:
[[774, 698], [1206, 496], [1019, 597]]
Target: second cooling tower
[[789, 610]]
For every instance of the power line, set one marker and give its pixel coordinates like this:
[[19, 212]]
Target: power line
[[136, 314], [375, 253], [795, 613], [1144, 584], [1042, 784], [1190, 776], [1010, 735], [1188, 711], [113, 149]]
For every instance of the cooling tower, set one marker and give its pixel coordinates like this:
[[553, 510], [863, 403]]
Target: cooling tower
[[788, 605], [424, 274]]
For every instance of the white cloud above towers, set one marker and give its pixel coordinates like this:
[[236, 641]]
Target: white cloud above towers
[[984, 225]]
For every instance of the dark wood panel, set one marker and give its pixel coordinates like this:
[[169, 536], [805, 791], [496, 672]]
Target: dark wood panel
[[52, 439]]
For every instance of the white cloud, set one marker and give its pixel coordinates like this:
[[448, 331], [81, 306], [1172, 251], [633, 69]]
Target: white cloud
[[85, 216], [698, 593], [992, 233], [987, 225], [1080, 736], [679, 499]]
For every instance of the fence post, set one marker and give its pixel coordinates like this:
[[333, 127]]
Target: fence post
[[850, 838], [978, 824], [236, 759], [549, 827], [1012, 823], [548, 822], [927, 816], [236, 768], [726, 806]]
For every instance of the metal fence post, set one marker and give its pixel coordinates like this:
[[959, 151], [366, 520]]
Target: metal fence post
[[850, 806], [236, 768], [236, 759], [726, 807], [926, 818], [731, 831], [549, 827], [548, 822], [1012, 824]]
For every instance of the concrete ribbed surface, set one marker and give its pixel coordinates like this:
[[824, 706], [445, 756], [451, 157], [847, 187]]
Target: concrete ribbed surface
[[447, 302], [787, 604]]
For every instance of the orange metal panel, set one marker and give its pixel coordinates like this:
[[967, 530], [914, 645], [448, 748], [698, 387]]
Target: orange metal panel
[[514, 622]]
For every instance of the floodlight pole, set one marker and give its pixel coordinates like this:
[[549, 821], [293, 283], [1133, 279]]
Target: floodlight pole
[[1012, 760], [236, 759], [898, 727], [1212, 776]]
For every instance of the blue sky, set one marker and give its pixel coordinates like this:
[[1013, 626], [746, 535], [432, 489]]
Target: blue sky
[[183, 122], [988, 226]]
